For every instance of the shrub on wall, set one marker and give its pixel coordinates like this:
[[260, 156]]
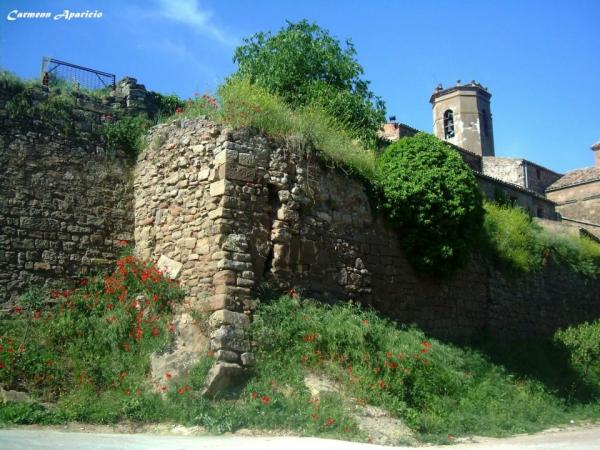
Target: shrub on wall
[[126, 133], [303, 65], [432, 196], [167, 105]]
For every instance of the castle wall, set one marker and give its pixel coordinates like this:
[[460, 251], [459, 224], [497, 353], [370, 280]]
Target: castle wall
[[581, 203], [261, 211], [66, 203]]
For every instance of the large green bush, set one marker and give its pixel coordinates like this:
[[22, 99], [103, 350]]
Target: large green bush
[[304, 64], [433, 197], [583, 343]]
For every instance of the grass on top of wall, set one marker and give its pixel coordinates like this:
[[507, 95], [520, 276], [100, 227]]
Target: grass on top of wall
[[243, 104], [520, 245]]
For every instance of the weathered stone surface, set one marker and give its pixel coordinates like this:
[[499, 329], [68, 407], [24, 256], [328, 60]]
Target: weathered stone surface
[[229, 338], [170, 267], [189, 343], [226, 317], [221, 377], [235, 243], [216, 302], [248, 359], [382, 427], [224, 277], [319, 385], [66, 203], [14, 396], [227, 356]]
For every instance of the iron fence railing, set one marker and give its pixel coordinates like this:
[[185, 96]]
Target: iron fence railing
[[55, 71]]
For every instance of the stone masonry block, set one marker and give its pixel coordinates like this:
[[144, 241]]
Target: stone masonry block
[[218, 188], [216, 302], [222, 376], [236, 172], [226, 317], [224, 277], [225, 156]]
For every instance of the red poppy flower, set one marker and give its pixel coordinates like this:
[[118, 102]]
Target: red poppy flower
[[265, 399], [313, 416], [254, 395], [126, 346], [155, 331], [168, 375], [329, 422], [182, 390], [1, 365]]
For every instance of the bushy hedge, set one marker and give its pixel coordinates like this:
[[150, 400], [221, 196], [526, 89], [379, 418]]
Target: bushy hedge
[[432, 196]]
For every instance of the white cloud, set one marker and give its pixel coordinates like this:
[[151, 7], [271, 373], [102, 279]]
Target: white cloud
[[189, 12]]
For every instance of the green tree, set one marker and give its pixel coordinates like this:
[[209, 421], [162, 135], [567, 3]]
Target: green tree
[[433, 197], [304, 64]]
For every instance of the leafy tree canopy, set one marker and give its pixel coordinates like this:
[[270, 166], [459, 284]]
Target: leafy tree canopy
[[304, 65]]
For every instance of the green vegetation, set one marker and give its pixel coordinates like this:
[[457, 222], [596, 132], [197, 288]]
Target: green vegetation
[[30, 103], [309, 129], [583, 343], [167, 105], [431, 195], [126, 133], [304, 65], [438, 389], [522, 246], [91, 339]]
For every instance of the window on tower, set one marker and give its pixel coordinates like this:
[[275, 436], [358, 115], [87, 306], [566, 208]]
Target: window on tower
[[448, 124]]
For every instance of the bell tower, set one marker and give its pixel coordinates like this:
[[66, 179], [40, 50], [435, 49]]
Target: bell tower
[[462, 116]]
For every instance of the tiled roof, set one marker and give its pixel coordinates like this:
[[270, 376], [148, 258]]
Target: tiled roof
[[577, 176]]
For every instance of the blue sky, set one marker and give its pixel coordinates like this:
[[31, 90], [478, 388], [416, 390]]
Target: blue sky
[[539, 59]]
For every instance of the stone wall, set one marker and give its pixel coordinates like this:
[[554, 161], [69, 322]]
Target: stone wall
[[66, 203], [520, 172], [580, 203], [534, 204], [236, 210]]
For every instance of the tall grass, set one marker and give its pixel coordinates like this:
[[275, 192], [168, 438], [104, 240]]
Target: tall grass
[[438, 388], [89, 353], [520, 245]]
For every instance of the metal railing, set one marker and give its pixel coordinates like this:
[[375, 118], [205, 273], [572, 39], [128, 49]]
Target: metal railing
[[55, 71]]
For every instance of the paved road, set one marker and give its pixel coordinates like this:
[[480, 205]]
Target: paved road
[[21, 439]]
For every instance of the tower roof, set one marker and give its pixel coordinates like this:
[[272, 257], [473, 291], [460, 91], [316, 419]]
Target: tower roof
[[472, 86]]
